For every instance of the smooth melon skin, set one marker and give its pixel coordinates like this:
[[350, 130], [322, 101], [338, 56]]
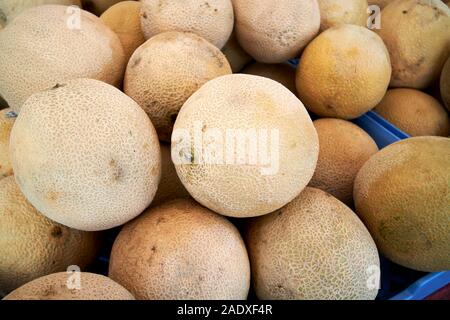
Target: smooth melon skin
[[344, 72], [63, 286], [335, 12], [343, 149], [32, 245], [281, 72], [402, 194], [6, 124], [39, 50], [166, 70], [417, 35], [98, 7], [414, 112], [445, 84], [123, 18], [92, 167], [275, 31], [181, 251], [315, 248], [225, 173], [211, 19], [236, 56]]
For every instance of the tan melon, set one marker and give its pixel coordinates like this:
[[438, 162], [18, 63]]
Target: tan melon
[[313, 248], [7, 118], [275, 31], [380, 3], [43, 46], [417, 35], [11, 8], [402, 194], [211, 19], [445, 84], [123, 18], [166, 70], [170, 186], [282, 72], [92, 167], [64, 286], [32, 245], [344, 72], [244, 145], [97, 7], [335, 12], [236, 56], [343, 149], [414, 112], [181, 250]]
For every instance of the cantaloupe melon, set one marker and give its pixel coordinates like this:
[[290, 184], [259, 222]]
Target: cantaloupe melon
[[90, 167], [123, 18], [313, 248], [343, 149], [244, 145], [414, 112], [275, 31], [64, 286], [97, 7], [380, 3], [44, 46], [445, 84], [335, 12], [181, 250], [281, 72], [344, 72], [166, 70], [417, 35], [236, 56], [32, 245], [402, 194], [7, 118], [210, 19]]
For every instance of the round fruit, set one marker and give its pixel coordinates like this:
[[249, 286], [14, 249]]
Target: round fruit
[[97, 7], [11, 8], [275, 31], [181, 250], [414, 112], [71, 286], [335, 12], [343, 149], [445, 84], [344, 72], [170, 186], [124, 19], [235, 55], [417, 35], [7, 118], [44, 46], [402, 194], [282, 72], [314, 248], [32, 245], [380, 3], [166, 70], [211, 19], [244, 145], [92, 167]]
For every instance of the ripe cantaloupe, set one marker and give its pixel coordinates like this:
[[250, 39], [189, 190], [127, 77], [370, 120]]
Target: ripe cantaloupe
[[181, 250], [414, 112], [236, 56], [244, 145], [417, 35], [344, 72], [402, 194], [6, 123], [380, 3], [64, 286], [92, 167], [445, 84], [124, 19], [166, 70], [335, 12], [313, 248], [39, 49], [343, 149], [210, 19], [282, 72], [97, 7], [11, 8], [32, 245], [275, 31], [170, 186]]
